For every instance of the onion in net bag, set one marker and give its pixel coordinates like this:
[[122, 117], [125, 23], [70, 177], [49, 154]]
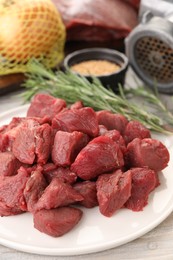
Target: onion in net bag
[[29, 29]]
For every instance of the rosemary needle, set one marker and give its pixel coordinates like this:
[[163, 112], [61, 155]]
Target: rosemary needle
[[72, 88]]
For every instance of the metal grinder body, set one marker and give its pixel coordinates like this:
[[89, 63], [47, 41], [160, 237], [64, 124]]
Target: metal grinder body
[[149, 46]]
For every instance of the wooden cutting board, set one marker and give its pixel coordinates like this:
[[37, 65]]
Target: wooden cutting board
[[10, 83]]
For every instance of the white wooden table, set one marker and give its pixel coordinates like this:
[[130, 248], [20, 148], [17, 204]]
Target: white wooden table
[[157, 244]]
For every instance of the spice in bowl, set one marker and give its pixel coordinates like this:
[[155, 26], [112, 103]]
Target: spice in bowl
[[107, 65], [95, 67]]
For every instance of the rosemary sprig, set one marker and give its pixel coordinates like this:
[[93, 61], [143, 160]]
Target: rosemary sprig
[[72, 88], [151, 99]]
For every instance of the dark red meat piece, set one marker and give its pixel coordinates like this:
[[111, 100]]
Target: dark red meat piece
[[147, 152], [24, 145], [9, 164], [88, 191], [30, 121], [28, 139], [58, 194], [97, 20], [112, 121], [8, 132], [77, 105], [30, 168], [49, 167], [32, 143], [83, 120], [117, 138], [4, 140], [56, 222], [67, 146], [100, 155], [134, 3], [34, 188], [143, 182], [135, 129], [64, 174], [45, 105], [43, 142], [12, 200], [113, 190]]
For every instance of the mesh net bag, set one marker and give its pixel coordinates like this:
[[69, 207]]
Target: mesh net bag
[[29, 29]]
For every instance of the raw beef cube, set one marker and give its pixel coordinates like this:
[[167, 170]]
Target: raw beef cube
[[147, 152], [34, 188], [56, 222], [112, 121], [15, 122], [30, 168], [40, 120], [29, 121], [135, 129], [100, 155], [7, 136], [9, 164], [32, 142], [117, 137], [58, 194], [20, 121], [113, 190], [143, 182], [43, 141], [45, 105], [64, 174], [83, 120], [66, 147], [58, 125], [9, 132], [24, 145], [12, 200], [4, 140], [88, 191], [49, 167], [77, 105]]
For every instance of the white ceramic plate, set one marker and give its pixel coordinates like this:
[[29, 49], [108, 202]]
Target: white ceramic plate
[[94, 232]]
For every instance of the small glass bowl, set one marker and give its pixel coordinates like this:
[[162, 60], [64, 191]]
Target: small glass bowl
[[111, 80]]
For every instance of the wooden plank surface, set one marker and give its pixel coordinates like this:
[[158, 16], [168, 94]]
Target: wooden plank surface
[[9, 83]]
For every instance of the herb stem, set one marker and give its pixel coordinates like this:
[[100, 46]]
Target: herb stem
[[72, 88]]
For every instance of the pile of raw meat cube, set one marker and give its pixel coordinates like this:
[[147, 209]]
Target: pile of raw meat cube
[[59, 159]]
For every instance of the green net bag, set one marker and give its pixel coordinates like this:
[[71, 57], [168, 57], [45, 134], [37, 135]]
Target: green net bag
[[29, 29]]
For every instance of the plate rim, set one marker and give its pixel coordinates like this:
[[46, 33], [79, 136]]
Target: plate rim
[[87, 250]]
